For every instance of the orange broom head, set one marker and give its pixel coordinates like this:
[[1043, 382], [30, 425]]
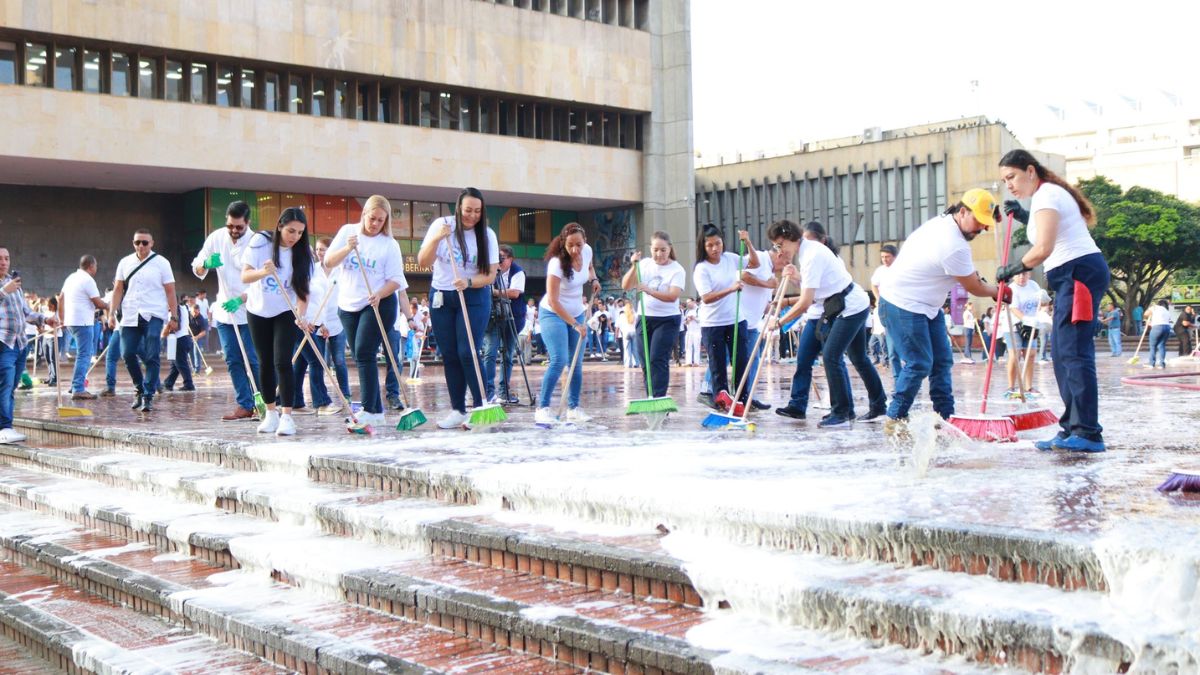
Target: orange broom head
[[1033, 419], [986, 428]]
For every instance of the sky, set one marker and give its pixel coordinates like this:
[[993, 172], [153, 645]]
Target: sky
[[771, 74]]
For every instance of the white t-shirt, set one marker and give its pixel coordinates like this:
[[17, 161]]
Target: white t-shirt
[[920, 279], [626, 323], [145, 295], [1073, 240], [708, 278], [510, 281], [880, 275], [1026, 300], [319, 286], [692, 320], [756, 298], [229, 274], [443, 274], [826, 274], [570, 291], [1160, 316], [203, 305], [381, 258], [968, 318], [182, 331], [263, 297], [78, 291], [661, 278]]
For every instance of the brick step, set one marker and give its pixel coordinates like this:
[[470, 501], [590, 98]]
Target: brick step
[[20, 660], [282, 624], [414, 523], [76, 631], [607, 631]]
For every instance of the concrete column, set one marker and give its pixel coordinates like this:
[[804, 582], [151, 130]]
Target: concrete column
[[667, 155]]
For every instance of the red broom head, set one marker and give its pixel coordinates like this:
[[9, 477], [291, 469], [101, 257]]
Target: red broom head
[[723, 400], [1033, 419], [986, 428]]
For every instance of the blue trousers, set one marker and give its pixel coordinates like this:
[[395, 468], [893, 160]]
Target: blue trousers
[[8, 382], [451, 333], [1158, 345], [143, 344], [1074, 347], [362, 332], [111, 357], [85, 342], [925, 350], [233, 360], [1114, 340], [182, 364], [561, 341], [308, 363], [498, 341], [390, 384], [335, 356]]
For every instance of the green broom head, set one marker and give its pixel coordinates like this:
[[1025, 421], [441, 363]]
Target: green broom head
[[260, 406], [658, 404], [26, 381], [411, 419], [487, 415]]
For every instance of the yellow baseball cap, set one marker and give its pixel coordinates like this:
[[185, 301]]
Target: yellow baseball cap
[[982, 204]]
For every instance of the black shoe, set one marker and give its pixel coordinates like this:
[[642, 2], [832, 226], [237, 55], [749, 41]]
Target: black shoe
[[188, 387], [509, 399], [789, 411], [168, 387], [394, 403], [146, 407], [759, 405], [137, 400], [707, 400], [873, 416]]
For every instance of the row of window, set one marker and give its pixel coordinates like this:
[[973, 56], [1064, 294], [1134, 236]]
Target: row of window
[[879, 205], [135, 72], [626, 13]]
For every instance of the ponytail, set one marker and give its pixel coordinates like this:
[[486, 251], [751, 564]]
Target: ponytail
[[821, 235]]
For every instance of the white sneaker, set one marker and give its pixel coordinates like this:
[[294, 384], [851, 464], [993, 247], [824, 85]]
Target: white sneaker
[[578, 416], [11, 435], [545, 417], [269, 423], [286, 427], [374, 419], [331, 409], [455, 420]]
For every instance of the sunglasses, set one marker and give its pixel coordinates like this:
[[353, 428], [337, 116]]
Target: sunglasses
[[140, 242]]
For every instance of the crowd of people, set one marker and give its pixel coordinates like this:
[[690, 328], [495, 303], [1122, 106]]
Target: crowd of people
[[287, 308]]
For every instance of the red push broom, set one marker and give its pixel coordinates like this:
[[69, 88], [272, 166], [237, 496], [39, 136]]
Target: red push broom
[[984, 427], [1035, 417]]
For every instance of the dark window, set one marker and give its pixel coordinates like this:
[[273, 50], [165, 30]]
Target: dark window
[[384, 106], [527, 226], [66, 71], [487, 120], [466, 112], [122, 74], [425, 103], [360, 104], [561, 131], [507, 118], [224, 86], [525, 120], [641, 14], [148, 79], [593, 128], [91, 71], [297, 94], [627, 131], [247, 97], [174, 81], [319, 97], [199, 93], [271, 89], [575, 125], [36, 65], [8, 62], [341, 106], [446, 117]]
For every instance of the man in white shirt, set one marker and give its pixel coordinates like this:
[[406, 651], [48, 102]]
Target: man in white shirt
[[506, 322], [223, 251], [201, 301], [79, 301], [887, 256], [144, 295], [935, 257]]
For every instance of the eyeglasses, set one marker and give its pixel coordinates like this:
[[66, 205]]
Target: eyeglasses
[[776, 247], [505, 257], [140, 242]]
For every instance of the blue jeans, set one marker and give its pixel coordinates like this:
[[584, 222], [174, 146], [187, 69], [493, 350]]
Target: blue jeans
[[969, 334], [1114, 341], [390, 384], [85, 341], [560, 341], [925, 349], [182, 364], [661, 333], [718, 342], [451, 333], [806, 353], [111, 357], [143, 342], [889, 343], [1137, 327], [1074, 345], [335, 356], [498, 341], [362, 332], [1158, 344], [847, 336], [309, 363], [1044, 338], [8, 382], [233, 359]]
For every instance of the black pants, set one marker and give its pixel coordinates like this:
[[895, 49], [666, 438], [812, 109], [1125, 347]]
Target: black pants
[[718, 342], [181, 366], [275, 340], [661, 332]]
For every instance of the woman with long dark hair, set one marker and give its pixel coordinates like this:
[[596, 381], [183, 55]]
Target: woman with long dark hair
[[837, 310], [465, 254], [718, 281], [1058, 227], [368, 242], [662, 280], [272, 258]]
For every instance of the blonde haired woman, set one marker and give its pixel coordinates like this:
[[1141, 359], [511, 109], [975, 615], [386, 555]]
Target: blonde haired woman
[[380, 257]]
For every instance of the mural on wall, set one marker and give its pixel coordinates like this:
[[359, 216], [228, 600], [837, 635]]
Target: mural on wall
[[613, 236]]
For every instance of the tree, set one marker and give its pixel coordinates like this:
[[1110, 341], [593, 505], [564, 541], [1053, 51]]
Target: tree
[[1145, 235]]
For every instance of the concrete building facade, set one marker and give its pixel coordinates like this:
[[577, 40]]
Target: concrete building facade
[[559, 111], [868, 190]]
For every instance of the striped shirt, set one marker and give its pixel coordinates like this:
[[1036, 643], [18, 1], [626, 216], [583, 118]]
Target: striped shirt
[[15, 312]]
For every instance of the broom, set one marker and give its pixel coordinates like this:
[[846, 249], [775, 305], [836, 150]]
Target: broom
[[737, 416], [1134, 361], [979, 327], [320, 311], [651, 405], [207, 368], [488, 413], [984, 427], [260, 406], [99, 358], [63, 410], [354, 426], [411, 418], [1183, 480], [1037, 417], [722, 399]]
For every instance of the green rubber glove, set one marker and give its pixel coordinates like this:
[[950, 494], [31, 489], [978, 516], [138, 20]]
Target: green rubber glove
[[233, 304], [213, 262], [26, 381]]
